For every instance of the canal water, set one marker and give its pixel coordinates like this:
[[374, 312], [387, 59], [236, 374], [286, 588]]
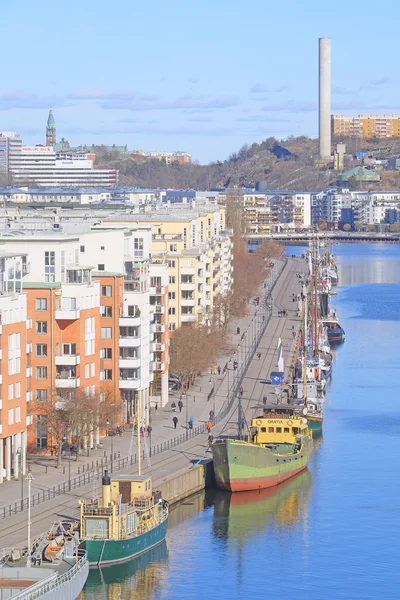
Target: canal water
[[332, 533]]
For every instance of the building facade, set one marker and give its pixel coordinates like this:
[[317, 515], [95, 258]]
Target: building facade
[[366, 126]]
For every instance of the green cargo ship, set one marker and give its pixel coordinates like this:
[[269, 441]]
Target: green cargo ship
[[128, 520], [279, 446]]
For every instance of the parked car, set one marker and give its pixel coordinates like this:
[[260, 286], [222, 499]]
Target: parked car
[[68, 448]]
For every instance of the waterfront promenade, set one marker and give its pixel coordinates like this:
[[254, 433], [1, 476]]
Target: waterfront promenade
[[165, 464]]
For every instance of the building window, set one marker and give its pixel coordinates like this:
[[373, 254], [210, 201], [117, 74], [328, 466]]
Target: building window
[[106, 375], [41, 327], [171, 295], [41, 432], [69, 349], [106, 353], [92, 369], [106, 311], [82, 248], [11, 391], [49, 266], [18, 390], [41, 303], [106, 333], [41, 395], [173, 247], [171, 264], [106, 291], [102, 247], [172, 279], [89, 325], [89, 347], [138, 248], [41, 349], [11, 416], [171, 326], [101, 267], [18, 414], [41, 372], [87, 371], [171, 310]]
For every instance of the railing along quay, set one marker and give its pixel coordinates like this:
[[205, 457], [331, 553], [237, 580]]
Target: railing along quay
[[245, 352]]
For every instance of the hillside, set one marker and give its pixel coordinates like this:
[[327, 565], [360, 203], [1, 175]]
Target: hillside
[[285, 164]]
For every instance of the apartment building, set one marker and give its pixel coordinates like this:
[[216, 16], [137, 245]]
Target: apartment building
[[89, 315], [366, 126], [197, 248], [272, 211], [15, 376]]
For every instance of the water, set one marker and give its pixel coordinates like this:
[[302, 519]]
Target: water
[[332, 533]]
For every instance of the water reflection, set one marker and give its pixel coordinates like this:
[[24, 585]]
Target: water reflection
[[139, 578], [237, 517]]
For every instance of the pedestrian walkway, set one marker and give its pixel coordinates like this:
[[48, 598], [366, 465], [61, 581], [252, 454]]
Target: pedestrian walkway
[[180, 457]]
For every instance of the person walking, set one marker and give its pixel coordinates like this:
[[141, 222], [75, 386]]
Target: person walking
[[219, 370], [191, 421], [149, 430], [175, 422], [173, 406], [259, 355], [156, 407], [208, 426], [180, 405], [211, 415], [240, 390], [243, 423], [210, 439]]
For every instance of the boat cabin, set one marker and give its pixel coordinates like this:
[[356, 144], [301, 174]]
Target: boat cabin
[[276, 425], [127, 501]]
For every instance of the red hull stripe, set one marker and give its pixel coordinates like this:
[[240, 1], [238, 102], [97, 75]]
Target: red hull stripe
[[245, 485]]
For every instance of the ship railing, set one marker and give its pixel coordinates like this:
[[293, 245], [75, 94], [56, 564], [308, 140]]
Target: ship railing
[[54, 582], [96, 510]]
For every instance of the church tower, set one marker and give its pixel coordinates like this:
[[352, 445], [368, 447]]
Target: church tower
[[50, 130]]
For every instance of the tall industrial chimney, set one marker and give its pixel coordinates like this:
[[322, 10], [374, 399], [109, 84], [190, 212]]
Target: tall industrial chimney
[[325, 98]]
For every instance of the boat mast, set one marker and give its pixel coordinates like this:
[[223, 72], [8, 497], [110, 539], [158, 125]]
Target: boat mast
[[138, 435], [305, 348]]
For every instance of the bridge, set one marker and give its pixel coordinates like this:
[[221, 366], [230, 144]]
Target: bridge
[[302, 238]]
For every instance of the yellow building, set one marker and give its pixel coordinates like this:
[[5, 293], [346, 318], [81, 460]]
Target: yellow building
[[197, 248], [366, 126]]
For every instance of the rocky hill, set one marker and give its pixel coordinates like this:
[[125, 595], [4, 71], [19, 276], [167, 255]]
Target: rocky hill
[[285, 164]]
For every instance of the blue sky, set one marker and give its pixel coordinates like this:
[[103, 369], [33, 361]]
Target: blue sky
[[206, 77]]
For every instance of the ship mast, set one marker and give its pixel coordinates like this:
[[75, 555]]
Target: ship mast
[[305, 349], [139, 434]]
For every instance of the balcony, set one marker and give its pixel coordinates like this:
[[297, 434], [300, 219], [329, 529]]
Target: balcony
[[159, 366], [70, 360], [29, 348], [70, 383], [157, 290], [129, 342], [26, 268], [159, 309], [29, 420], [28, 372], [188, 302], [159, 347], [188, 318], [207, 288], [29, 396], [129, 362], [188, 287], [68, 314], [188, 271], [129, 384], [129, 321], [157, 328]]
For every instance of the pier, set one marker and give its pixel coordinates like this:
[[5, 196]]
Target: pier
[[183, 468]]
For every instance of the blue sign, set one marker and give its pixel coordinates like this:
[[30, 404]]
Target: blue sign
[[361, 154], [277, 377]]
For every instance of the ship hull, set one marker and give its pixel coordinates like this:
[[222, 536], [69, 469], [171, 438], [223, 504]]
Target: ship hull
[[336, 337], [106, 552], [245, 466], [315, 424]]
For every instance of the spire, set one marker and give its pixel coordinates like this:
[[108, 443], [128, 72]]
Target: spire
[[50, 130], [50, 120]]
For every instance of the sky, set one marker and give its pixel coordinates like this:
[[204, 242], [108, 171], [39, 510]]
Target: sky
[[204, 77]]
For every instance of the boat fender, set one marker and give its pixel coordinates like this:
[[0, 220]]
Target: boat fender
[[258, 422], [290, 423]]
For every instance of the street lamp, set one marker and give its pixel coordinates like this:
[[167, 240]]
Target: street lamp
[[30, 479], [19, 453], [69, 461], [112, 444]]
